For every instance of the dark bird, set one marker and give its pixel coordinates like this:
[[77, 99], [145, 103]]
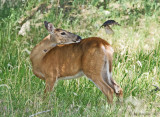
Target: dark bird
[[107, 27], [110, 22], [156, 88]]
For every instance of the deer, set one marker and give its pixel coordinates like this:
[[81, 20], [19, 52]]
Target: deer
[[90, 57]]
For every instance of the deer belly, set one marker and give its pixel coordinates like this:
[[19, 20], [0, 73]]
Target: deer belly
[[79, 74]]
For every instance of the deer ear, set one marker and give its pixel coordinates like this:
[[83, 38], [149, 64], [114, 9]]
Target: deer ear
[[49, 26]]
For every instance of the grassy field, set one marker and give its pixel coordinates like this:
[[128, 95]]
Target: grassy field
[[136, 63]]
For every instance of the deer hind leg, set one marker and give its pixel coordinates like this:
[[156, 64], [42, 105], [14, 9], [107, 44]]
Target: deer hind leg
[[105, 88], [100, 83], [96, 77], [118, 89], [107, 76], [93, 70]]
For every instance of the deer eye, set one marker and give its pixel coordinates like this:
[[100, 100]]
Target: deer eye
[[63, 33]]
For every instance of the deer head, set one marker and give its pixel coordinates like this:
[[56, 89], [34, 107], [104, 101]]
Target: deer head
[[60, 36]]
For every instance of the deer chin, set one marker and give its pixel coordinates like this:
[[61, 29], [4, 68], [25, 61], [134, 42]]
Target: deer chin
[[76, 41], [70, 42]]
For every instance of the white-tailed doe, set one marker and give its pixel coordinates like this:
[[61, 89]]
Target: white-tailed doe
[[91, 57]]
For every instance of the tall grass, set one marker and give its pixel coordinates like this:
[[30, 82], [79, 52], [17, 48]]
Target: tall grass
[[136, 60]]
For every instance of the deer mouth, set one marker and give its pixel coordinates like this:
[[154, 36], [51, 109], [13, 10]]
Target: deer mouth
[[78, 39]]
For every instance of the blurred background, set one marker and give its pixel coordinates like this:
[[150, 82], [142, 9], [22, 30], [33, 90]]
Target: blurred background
[[136, 61]]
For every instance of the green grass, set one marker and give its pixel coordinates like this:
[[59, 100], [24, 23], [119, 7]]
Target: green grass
[[136, 60]]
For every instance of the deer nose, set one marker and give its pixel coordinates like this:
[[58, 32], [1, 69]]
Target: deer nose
[[79, 38]]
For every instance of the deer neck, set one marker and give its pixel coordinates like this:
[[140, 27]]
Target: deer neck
[[40, 50]]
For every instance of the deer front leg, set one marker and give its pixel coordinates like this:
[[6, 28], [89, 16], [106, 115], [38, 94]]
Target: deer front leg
[[50, 81]]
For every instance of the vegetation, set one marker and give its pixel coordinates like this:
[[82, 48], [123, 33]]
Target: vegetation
[[136, 60]]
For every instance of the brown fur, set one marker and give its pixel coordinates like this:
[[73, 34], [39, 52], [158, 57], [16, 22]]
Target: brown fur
[[87, 56]]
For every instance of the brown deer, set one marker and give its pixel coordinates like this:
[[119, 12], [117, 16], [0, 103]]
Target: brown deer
[[91, 57]]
